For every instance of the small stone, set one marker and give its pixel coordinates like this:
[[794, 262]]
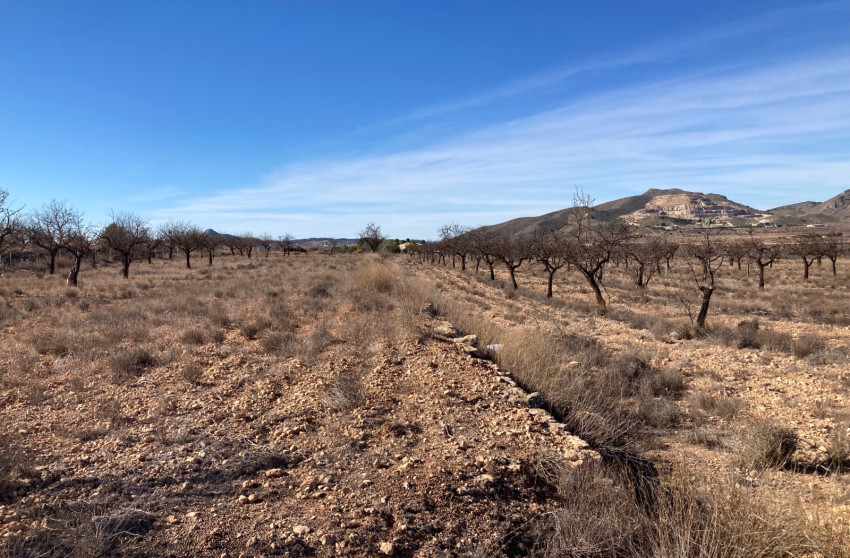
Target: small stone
[[172, 520], [327, 540], [243, 499], [300, 529], [534, 400], [274, 473], [387, 548], [193, 515]]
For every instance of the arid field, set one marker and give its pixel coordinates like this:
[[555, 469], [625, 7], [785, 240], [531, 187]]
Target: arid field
[[364, 405]]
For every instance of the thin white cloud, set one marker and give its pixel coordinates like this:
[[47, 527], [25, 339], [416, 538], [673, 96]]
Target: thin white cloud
[[759, 135]]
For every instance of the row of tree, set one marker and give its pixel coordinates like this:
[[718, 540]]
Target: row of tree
[[58, 228], [588, 245]]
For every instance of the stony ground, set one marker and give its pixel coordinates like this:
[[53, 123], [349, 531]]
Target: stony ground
[[418, 448], [809, 394]]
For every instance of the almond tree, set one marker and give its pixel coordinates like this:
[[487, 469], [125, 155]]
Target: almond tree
[[455, 241], [124, 234], [49, 227], [762, 254], [372, 236], [646, 256], [591, 243], [709, 254], [79, 242], [9, 226], [266, 242], [209, 242], [190, 239], [247, 242], [483, 242], [808, 248], [511, 251], [548, 248], [285, 243], [832, 247], [168, 233]]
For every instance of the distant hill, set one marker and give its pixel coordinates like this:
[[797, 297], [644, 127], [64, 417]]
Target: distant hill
[[835, 208], [653, 207]]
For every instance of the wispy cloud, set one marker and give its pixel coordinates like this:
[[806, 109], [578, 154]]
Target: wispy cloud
[[763, 135]]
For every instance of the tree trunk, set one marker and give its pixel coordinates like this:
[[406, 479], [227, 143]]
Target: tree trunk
[[150, 256], [171, 252], [188, 260], [833, 265], [210, 254], [52, 262], [513, 277], [75, 270], [806, 264], [594, 284], [463, 262], [94, 259], [703, 309], [126, 261], [761, 275], [492, 272], [549, 284]]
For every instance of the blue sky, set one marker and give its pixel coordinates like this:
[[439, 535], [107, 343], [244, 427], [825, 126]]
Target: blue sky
[[316, 117]]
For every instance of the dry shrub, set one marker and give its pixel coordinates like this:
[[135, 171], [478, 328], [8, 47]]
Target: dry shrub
[[50, 342], [374, 277], [727, 521], [279, 343], [253, 328], [344, 392], [191, 372], [767, 445], [658, 412], [807, 344], [587, 389], [194, 336], [702, 403], [130, 363], [838, 448], [109, 410], [596, 517], [600, 515]]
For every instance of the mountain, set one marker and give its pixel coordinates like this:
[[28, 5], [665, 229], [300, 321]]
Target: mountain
[[834, 208], [653, 207]]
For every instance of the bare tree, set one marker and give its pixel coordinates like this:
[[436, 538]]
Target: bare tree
[[455, 241], [266, 242], [247, 242], [808, 248], [646, 255], [736, 250], [709, 254], [762, 254], [285, 243], [48, 228], [190, 239], [511, 251], [9, 225], [124, 234], [168, 234], [832, 247], [592, 243], [332, 243], [483, 243], [209, 242], [79, 242], [371, 236], [548, 248]]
